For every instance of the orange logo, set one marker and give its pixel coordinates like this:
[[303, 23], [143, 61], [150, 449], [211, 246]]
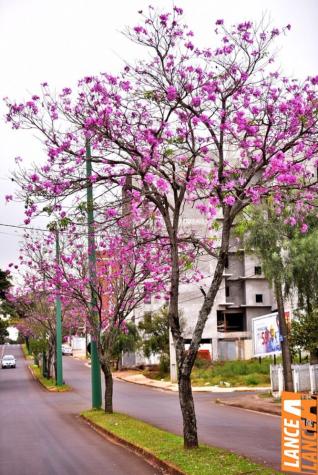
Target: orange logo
[[299, 433]]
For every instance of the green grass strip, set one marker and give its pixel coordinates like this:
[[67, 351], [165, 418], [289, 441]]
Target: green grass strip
[[169, 447], [48, 383], [25, 352]]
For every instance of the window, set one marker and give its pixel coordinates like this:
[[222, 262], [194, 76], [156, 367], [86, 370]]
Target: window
[[226, 263], [259, 298], [227, 291], [230, 322], [257, 270]]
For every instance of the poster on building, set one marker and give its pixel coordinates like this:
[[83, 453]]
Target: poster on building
[[265, 334]]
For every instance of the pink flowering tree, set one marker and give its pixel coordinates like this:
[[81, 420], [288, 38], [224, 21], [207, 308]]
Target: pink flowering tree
[[32, 304], [33, 299], [201, 130], [126, 274]]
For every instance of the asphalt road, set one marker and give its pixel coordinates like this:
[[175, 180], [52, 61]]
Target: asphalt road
[[41, 433], [245, 432]]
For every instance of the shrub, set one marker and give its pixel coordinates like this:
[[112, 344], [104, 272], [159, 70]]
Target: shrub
[[252, 380], [164, 365], [202, 364]]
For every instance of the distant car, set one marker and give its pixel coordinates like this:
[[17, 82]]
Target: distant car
[[67, 350], [8, 361]]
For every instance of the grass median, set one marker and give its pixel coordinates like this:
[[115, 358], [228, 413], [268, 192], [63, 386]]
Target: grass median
[[49, 384], [168, 447], [25, 352]]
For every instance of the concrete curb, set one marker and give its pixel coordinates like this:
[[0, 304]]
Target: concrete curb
[[164, 388], [149, 457], [50, 390], [275, 411]]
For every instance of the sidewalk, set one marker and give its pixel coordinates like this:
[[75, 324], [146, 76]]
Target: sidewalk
[[253, 402], [138, 378]]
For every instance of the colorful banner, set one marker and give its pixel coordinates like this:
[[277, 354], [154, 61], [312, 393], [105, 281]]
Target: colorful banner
[[299, 440], [266, 335]]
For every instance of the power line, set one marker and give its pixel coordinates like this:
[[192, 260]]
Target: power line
[[24, 227]]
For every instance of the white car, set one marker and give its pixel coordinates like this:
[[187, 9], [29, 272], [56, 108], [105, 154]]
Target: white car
[[67, 350], [8, 361]]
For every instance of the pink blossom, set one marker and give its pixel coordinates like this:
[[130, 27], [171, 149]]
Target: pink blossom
[[275, 32], [314, 80], [189, 45], [139, 29], [111, 212], [196, 101], [178, 10], [162, 185], [171, 93], [229, 200], [149, 178], [34, 177]]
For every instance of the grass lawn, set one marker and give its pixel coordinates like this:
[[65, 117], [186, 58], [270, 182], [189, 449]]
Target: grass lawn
[[169, 447], [236, 373], [48, 383]]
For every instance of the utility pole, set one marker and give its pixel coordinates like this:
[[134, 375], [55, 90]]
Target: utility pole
[[58, 310], [95, 365]]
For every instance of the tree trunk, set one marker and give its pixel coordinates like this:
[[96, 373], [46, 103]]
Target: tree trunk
[[190, 433], [49, 364], [314, 357], [108, 392], [286, 356], [108, 377], [184, 381], [44, 364], [27, 342], [51, 359], [186, 359]]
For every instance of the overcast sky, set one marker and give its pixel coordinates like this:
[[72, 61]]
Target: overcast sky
[[61, 41]]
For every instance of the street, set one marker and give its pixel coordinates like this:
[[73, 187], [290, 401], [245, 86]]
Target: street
[[254, 435], [41, 433]]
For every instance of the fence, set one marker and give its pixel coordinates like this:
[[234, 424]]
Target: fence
[[305, 378]]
